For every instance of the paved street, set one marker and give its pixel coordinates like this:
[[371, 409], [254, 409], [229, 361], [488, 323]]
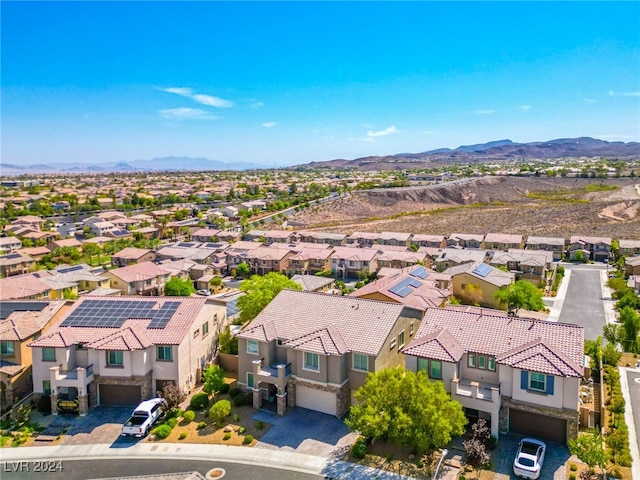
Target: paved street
[[630, 383]]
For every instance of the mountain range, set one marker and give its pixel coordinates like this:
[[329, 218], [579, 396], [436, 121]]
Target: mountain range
[[495, 150]]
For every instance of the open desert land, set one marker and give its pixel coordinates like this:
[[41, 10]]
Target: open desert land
[[554, 207]]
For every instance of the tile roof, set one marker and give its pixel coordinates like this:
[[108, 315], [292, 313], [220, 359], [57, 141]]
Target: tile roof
[[323, 323], [355, 254], [131, 253], [139, 271], [536, 345], [132, 337], [438, 345], [23, 323], [495, 276], [23, 286]]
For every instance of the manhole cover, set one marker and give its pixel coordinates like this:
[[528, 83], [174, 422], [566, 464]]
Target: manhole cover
[[215, 473]]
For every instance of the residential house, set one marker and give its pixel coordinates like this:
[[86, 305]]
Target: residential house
[[502, 241], [205, 235], [185, 250], [597, 249], [119, 233], [394, 238], [35, 252], [263, 260], [488, 278], [525, 264], [20, 323], [335, 239], [307, 259], [278, 236], [314, 283], [29, 221], [16, 264], [363, 239], [121, 350], [67, 230], [451, 257], [522, 375], [315, 350], [66, 243], [28, 286], [433, 241], [548, 244], [82, 278], [632, 265], [347, 262], [237, 253], [229, 236], [628, 248], [132, 255], [144, 278], [101, 228], [465, 240], [416, 287], [9, 244], [230, 211], [400, 259]]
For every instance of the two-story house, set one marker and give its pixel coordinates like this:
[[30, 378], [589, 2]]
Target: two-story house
[[489, 279], [28, 286], [597, 249], [424, 240], [263, 260], [394, 238], [555, 245], [522, 375], [465, 240], [132, 255], [315, 350], [9, 244], [205, 235], [628, 248], [451, 257], [502, 241], [121, 350], [349, 262], [144, 278], [21, 323], [335, 239], [16, 264], [308, 259], [363, 239], [525, 264]]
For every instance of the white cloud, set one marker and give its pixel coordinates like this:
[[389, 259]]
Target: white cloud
[[381, 133], [589, 100], [269, 124], [201, 98], [630, 94], [257, 105], [186, 114], [483, 112], [525, 108]]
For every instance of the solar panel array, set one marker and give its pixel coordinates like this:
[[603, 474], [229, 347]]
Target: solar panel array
[[119, 233], [404, 287], [186, 244], [7, 308], [70, 269], [420, 272], [482, 269], [11, 256], [113, 313]]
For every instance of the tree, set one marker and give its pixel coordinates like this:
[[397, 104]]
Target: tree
[[228, 342], [631, 327], [177, 287], [520, 294], [588, 448], [91, 250], [216, 283], [173, 396], [260, 291], [213, 378], [243, 269], [407, 408], [220, 410], [471, 294]]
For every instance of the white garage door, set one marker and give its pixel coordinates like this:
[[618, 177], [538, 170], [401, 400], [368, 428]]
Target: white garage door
[[317, 400]]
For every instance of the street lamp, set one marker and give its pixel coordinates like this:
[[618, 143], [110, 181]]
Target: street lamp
[[445, 452]]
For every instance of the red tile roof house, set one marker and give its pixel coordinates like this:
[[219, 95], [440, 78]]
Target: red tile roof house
[[548, 244], [395, 238], [525, 264], [349, 262], [522, 375], [395, 259], [435, 241], [465, 240], [28, 287], [315, 350], [131, 256], [16, 264], [205, 235], [363, 239], [335, 239], [263, 260], [145, 278], [597, 249], [629, 248], [121, 350], [305, 260], [488, 278], [502, 241]]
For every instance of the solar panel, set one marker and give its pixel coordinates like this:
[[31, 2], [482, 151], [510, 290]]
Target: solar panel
[[162, 316], [186, 244], [70, 269], [482, 269], [415, 283], [404, 292], [7, 308], [12, 256], [113, 313], [420, 272]]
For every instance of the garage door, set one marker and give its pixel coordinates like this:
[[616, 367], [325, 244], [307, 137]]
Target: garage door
[[538, 426], [114, 395], [317, 400]]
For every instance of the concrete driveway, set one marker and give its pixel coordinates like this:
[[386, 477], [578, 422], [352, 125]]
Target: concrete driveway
[[554, 462], [305, 431]]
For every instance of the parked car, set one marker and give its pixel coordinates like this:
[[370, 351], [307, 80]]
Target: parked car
[[204, 292], [143, 418], [529, 458]]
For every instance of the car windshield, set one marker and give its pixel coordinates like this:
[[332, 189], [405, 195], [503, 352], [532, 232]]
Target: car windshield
[[530, 448], [526, 462]]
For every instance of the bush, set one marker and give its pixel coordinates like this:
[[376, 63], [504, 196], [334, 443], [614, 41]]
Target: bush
[[227, 436], [173, 396], [182, 436], [233, 392], [220, 410], [247, 439], [572, 476], [224, 388], [240, 400], [242, 430], [259, 424], [201, 425], [359, 449], [189, 416], [236, 417], [44, 404], [199, 401], [162, 431], [573, 467], [172, 422]]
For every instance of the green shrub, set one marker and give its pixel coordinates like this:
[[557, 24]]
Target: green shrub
[[359, 449], [182, 436], [162, 431], [172, 422], [199, 401], [572, 476], [220, 410], [573, 467], [259, 424], [227, 436], [236, 417], [247, 439], [44, 404], [239, 401], [225, 388], [201, 425], [189, 416], [242, 430], [233, 392]]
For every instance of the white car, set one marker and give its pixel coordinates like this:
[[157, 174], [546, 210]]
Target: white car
[[529, 458], [143, 418], [204, 292]]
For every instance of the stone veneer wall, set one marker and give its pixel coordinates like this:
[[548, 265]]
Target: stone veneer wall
[[145, 382], [571, 416]]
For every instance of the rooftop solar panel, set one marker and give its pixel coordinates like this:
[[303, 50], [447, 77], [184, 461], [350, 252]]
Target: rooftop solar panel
[[7, 308], [70, 269], [419, 272], [113, 313], [482, 269], [12, 256]]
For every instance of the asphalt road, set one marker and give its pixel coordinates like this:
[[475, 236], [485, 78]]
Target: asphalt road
[[101, 468], [583, 304]]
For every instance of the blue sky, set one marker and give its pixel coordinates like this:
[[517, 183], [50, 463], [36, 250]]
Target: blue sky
[[293, 82]]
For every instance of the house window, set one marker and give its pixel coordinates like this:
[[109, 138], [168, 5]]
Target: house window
[[471, 360], [250, 382], [411, 329], [46, 387], [360, 362], [392, 344], [482, 362], [164, 353], [491, 364], [279, 342], [537, 381], [311, 361], [252, 347], [7, 348], [401, 339], [114, 358], [205, 329], [48, 354], [435, 369]]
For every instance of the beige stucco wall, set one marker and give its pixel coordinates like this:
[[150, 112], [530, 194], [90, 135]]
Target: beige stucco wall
[[488, 289]]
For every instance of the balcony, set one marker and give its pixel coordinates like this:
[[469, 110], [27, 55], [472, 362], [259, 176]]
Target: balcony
[[79, 376], [475, 390], [275, 374]]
